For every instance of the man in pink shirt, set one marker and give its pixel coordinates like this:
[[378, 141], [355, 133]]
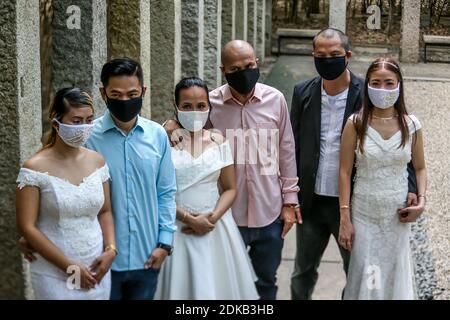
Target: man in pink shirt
[[255, 119]]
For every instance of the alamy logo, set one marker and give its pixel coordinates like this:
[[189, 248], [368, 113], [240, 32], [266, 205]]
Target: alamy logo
[[74, 19], [374, 20], [374, 277], [73, 282]]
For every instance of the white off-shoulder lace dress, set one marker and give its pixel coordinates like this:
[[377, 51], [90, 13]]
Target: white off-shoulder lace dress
[[68, 217], [380, 263], [215, 266]]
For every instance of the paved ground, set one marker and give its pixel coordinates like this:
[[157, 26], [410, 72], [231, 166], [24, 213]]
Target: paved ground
[[426, 82]]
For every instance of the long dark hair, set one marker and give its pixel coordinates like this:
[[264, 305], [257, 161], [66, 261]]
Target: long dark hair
[[64, 100], [362, 118], [187, 83]]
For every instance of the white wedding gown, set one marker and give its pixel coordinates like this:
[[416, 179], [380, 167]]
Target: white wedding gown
[[216, 265], [68, 218], [380, 263]]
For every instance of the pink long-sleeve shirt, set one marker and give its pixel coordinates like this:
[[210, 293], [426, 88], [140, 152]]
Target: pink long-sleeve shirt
[[263, 147]]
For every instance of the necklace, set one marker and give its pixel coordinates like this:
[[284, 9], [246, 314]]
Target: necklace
[[385, 119]]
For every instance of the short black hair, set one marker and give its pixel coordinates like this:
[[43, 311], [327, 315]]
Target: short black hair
[[331, 33], [119, 67]]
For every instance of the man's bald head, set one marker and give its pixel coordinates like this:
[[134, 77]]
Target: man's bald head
[[236, 55]]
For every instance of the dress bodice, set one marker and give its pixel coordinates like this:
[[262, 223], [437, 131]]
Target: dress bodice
[[68, 213], [197, 178], [381, 171]]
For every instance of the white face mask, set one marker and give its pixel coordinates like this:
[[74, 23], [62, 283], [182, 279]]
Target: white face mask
[[193, 120], [383, 98], [74, 135]]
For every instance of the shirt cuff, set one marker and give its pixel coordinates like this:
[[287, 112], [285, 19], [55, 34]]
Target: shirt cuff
[[165, 237], [290, 197]]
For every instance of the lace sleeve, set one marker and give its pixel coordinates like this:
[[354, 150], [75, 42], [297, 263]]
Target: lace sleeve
[[104, 173], [29, 178]]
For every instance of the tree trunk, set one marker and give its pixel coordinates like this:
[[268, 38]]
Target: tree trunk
[[314, 6], [294, 10], [391, 13], [286, 9]]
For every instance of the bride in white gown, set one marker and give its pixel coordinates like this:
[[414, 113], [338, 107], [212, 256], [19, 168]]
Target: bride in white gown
[[385, 139], [63, 208], [210, 260]]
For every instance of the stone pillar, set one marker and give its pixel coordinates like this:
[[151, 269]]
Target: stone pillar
[[165, 23], [409, 44], [252, 23], [227, 20], [240, 22], [21, 129], [129, 36], [79, 45], [189, 38], [338, 11], [261, 30], [268, 27], [212, 39]]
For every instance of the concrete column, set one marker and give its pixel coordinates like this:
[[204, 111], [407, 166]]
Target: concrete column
[[129, 36], [21, 129], [338, 11], [165, 23], [409, 44], [268, 27], [79, 45]]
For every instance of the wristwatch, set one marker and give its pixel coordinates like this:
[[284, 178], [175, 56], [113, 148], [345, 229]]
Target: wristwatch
[[166, 247]]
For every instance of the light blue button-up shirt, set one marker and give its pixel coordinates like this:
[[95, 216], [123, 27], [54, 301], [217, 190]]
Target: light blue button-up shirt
[[143, 187]]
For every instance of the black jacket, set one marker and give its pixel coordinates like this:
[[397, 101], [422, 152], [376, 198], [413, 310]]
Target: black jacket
[[306, 122]]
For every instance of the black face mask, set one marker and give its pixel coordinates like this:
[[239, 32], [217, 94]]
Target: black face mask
[[243, 81], [330, 68], [124, 110]]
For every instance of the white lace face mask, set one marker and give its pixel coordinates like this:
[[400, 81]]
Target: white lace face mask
[[74, 135], [383, 98], [193, 120]]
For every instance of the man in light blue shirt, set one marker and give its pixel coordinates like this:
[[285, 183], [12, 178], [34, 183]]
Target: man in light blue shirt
[[143, 186]]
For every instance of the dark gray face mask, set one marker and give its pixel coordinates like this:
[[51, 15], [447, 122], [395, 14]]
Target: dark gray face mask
[[330, 68], [243, 81]]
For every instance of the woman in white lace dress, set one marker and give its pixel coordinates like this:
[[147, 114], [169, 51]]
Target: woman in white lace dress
[[210, 260], [63, 207], [375, 226]]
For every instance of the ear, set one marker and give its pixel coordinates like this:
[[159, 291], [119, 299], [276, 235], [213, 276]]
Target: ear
[[257, 61], [144, 90], [55, 125], [222, 69], [349, 54], [103, 93]]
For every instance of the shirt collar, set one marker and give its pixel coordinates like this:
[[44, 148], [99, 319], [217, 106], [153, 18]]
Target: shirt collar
[[227, 95], [108, 123]]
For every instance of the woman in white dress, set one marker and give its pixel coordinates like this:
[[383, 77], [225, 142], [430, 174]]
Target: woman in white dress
[[385, 139], [209, 260], [63, 207]]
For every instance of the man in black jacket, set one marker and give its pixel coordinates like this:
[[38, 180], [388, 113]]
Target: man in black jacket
[[320, 109]]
